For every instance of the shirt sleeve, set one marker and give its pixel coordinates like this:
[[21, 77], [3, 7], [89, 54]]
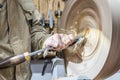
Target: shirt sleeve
[[38, 33]]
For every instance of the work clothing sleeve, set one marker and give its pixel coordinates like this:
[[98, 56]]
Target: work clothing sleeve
[[38, 33]]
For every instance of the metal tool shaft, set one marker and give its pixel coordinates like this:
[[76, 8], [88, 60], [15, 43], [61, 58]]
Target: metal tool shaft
[[15, 60]]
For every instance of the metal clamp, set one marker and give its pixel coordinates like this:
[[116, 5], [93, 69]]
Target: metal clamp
[[46, 62]]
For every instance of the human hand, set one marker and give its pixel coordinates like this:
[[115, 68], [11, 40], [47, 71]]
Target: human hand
[[59, 41]]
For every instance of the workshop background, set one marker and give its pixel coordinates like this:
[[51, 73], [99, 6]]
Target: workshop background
[[44, 7]]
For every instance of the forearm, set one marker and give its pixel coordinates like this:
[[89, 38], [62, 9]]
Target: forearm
[[38, 36]]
